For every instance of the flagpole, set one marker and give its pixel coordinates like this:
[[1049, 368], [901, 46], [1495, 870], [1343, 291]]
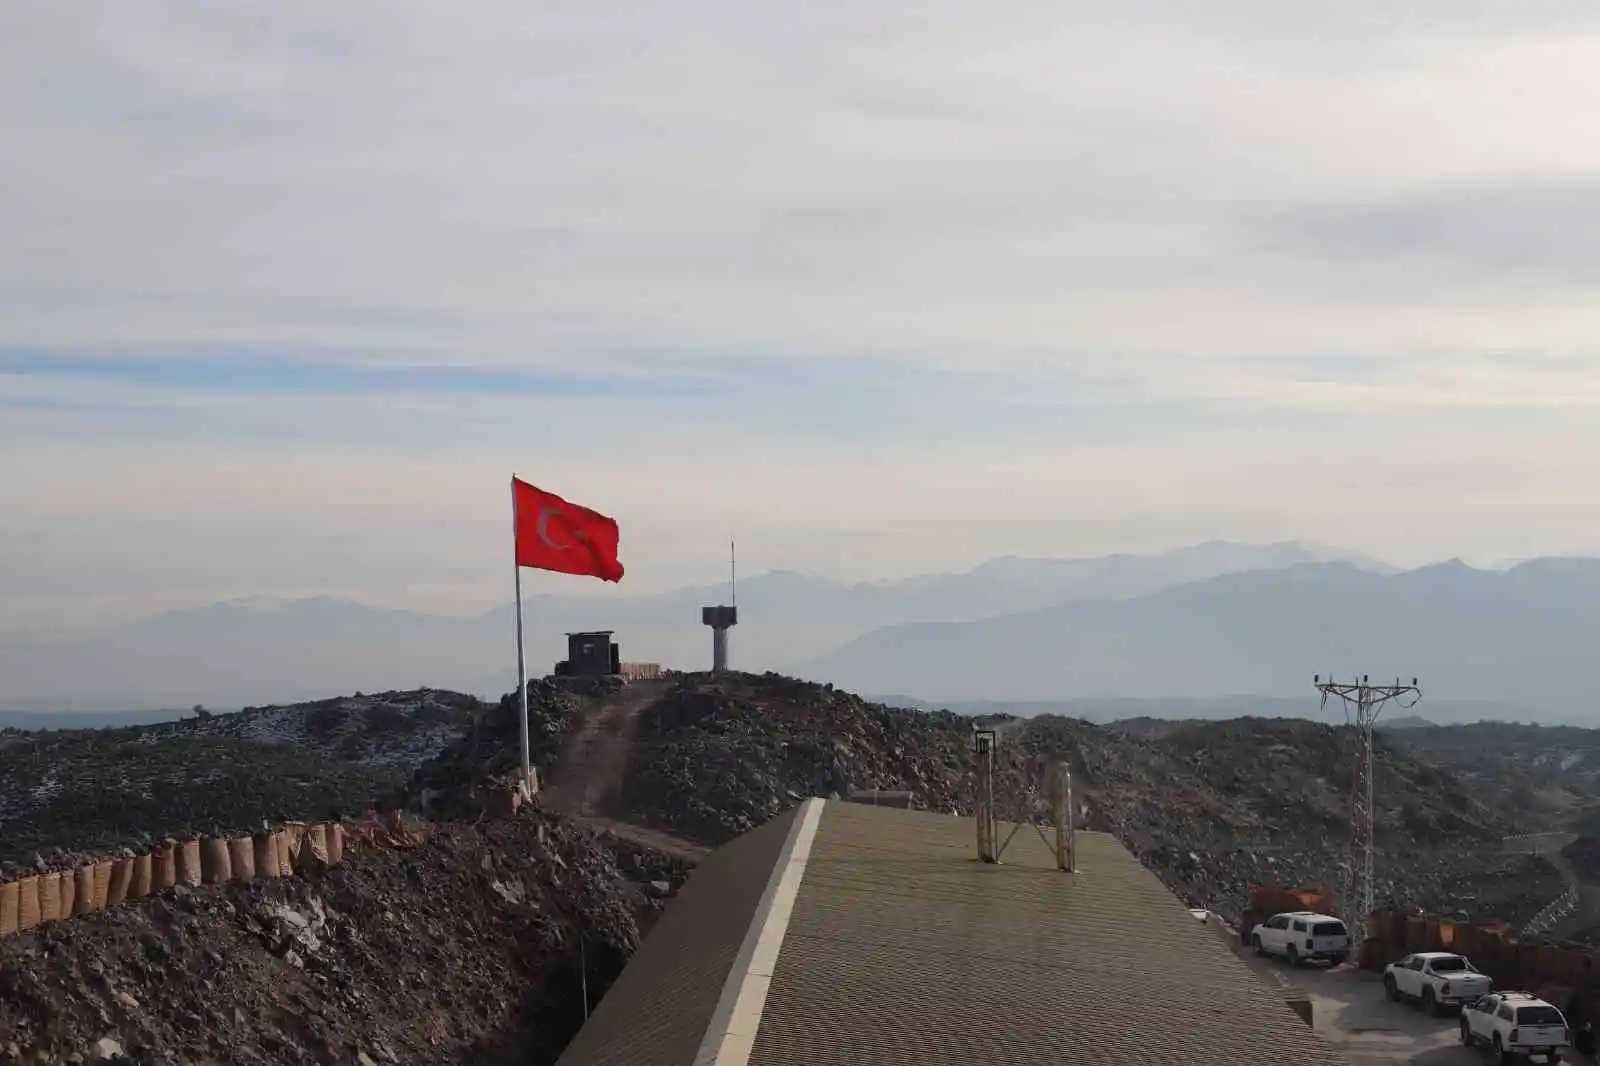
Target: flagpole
[[525, 787]]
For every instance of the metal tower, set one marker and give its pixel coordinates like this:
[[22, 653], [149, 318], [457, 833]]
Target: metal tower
[[1363, 702]]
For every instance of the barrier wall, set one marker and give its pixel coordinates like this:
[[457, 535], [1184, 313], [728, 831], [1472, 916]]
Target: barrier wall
[[1555, 972], [1267, 901], [294, 848], [640, 671]]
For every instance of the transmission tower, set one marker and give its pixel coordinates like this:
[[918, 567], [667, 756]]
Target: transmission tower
[[1363, 702]]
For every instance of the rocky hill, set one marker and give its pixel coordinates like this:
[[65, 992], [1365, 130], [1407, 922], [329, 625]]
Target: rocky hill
[[1214, 807], [466, 949], [488, 754], [1261, 801], [94, 790], [1551, 769]]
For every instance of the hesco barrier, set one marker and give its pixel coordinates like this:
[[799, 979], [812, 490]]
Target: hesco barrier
[[1557, 973], [640, 671], [292, 848]]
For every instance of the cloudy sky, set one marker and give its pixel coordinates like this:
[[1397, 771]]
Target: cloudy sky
[[288, 290]]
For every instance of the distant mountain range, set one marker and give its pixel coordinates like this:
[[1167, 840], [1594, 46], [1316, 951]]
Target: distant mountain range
[[264, 650], [1178, 628], [31, 720], [1521, 638]]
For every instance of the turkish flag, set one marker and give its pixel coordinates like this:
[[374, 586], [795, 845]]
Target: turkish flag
[[553, 534]]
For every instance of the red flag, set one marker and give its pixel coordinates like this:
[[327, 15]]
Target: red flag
[[553, 534]]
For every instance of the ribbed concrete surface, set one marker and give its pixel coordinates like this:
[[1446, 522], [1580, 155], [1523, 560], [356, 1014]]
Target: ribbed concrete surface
[[657, 1012], [903, 950]]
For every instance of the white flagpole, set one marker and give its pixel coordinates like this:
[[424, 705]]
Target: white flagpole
[[525, 787]]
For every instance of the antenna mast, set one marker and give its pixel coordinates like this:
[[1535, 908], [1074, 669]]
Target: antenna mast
[[1363, 702], [733, 574]]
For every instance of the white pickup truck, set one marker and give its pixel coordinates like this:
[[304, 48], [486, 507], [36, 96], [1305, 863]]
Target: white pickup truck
[[1515, 1025], [1436, 979]]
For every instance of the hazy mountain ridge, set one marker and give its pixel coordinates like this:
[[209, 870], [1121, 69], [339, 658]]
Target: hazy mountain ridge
[[33, 721], [1505, 645], [1518, 638], [268, 650]]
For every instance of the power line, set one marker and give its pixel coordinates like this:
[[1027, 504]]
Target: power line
[[1363, 702]]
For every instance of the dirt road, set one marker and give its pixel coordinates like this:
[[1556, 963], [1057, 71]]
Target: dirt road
[[646, 837], [1548, 846], [586, 783]]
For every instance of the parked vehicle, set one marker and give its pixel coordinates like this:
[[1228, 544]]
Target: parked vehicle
[[1436, 979], [1516, 1025], [1302, 936]]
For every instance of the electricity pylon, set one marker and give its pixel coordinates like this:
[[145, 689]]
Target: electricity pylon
[[1363, 702]]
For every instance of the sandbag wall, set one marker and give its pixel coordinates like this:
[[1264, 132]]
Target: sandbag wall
[[293, 848]]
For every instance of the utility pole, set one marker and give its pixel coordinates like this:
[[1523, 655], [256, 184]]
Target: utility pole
[[1363, 702]]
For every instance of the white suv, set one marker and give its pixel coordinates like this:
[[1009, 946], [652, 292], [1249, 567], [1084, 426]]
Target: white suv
[[1301, 936], [1516, 1025]]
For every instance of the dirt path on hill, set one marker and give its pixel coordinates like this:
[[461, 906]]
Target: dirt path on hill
[[587, 780]]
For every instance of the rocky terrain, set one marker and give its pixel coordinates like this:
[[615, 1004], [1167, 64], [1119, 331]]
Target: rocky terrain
[[488, 753], [717, 756], [463, 949], [1219, 807], [65, 794], [1546, 773], [96, 790], [1214, 807]]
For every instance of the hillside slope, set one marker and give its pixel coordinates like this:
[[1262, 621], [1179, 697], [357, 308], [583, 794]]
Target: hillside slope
[[1215, 808], [91, 791], [1500, 753]]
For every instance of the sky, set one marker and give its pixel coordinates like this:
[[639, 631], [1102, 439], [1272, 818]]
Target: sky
[[289, 290]]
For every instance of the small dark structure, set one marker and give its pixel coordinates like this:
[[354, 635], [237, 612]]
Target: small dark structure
[[592, 654]]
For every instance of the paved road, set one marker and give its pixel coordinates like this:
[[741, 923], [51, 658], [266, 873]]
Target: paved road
[[1350, 1012]]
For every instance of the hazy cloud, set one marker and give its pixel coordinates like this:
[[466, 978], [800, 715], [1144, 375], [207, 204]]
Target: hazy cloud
[[1502, 235], [1127, 273]]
